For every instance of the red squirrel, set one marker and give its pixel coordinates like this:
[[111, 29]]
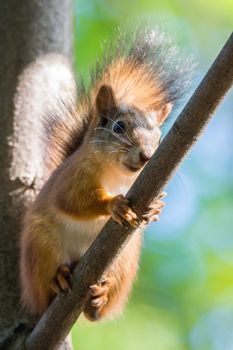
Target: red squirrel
[[118, 129]]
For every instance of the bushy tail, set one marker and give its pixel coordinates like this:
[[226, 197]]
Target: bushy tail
[[65, 126], [146, 60]]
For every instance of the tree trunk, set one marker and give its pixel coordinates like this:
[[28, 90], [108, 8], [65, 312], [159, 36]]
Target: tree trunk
[[35, 52]]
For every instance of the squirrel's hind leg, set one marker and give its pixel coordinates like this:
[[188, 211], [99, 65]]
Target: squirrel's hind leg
[[109, 296], [38, 265]]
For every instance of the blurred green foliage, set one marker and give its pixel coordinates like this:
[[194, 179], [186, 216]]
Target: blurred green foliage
[[183, 298]]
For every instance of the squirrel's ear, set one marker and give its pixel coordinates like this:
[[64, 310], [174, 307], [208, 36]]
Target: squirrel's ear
[[105, 100], [163, 112]]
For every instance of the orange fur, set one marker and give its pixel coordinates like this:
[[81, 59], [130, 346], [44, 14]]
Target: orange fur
[[133, 85], [39, 261]]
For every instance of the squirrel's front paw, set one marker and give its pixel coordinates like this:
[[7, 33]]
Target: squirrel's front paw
[[154, 210], [121, 212], [61, 282]]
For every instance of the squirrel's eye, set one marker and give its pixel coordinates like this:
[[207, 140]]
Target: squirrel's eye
[[119, 127]]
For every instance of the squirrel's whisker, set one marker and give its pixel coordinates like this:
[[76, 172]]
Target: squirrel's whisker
[[122, 139], [119, 144]]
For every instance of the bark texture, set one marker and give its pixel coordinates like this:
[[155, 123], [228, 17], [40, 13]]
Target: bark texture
[[60, 316], [35, 52]]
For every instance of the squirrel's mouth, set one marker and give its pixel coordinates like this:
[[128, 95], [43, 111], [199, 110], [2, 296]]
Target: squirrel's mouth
[[132, 167]]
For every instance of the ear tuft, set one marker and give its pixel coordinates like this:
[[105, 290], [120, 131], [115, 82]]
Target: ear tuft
[[163, 113], [105, 100]]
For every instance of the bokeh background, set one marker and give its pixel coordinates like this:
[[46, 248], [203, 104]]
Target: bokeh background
[[183, 298]]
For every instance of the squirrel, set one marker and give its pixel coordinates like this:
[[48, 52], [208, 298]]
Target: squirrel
[[95, 155]]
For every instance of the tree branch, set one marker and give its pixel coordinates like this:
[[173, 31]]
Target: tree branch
[[63, 312]]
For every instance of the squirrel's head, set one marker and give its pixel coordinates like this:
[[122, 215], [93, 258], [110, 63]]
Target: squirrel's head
[[125, 136]]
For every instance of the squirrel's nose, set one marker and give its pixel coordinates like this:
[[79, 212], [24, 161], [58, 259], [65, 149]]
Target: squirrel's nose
[[144, 156]]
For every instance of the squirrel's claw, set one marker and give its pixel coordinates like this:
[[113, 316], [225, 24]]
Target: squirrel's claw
[[154, 210], [121, 212], [99, 292], [99, 297], [61, 282]]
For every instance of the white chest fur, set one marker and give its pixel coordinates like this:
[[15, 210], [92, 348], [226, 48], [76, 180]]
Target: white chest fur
[[77, 235]]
